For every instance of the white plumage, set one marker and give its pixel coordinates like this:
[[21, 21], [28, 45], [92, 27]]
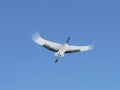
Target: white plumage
[[60, 49]]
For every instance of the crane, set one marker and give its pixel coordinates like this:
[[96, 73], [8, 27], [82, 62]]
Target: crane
[[59, 49]]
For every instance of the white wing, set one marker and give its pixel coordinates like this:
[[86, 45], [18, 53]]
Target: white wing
[[71, 48], [45, 43]]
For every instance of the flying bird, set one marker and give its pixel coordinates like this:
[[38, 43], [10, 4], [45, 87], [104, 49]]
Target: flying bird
[[60, 49]]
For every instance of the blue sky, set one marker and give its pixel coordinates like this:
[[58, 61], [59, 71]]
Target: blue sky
[[24, 65]]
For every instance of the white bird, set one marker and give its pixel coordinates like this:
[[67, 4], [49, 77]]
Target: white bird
[[60, 49]]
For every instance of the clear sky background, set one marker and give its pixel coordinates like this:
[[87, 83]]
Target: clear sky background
[[24, 65]]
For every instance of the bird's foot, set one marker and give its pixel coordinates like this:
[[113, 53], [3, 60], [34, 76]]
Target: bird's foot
[[56, 60]]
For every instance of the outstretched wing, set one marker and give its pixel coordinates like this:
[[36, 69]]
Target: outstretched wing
[[45, 43], [71, 48]]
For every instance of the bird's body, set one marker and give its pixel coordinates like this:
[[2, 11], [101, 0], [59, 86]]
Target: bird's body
[[60, 49]]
